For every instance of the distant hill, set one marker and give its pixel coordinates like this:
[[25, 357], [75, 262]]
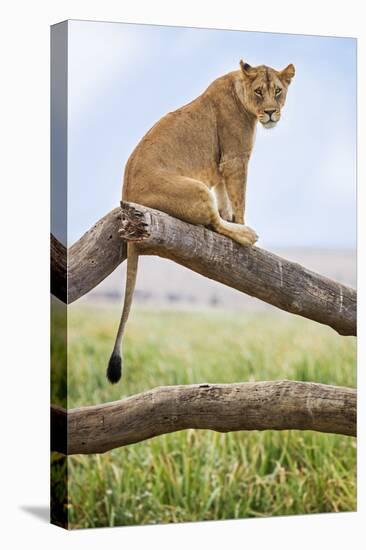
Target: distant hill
[[163, 283]]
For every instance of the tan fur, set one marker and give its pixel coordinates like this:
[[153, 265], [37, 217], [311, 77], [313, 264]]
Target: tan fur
[[206, 145], [193, 163]]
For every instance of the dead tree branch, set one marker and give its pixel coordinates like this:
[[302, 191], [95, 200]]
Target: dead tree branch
[[280, 405], [284, 284]]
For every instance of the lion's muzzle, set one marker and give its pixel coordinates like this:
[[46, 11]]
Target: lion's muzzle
[[269, 117]]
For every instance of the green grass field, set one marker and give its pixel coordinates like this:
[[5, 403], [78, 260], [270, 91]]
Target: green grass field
[[201, 475]]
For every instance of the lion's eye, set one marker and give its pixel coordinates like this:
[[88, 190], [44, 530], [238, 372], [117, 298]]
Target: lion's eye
[[278, 91], [258, 91]]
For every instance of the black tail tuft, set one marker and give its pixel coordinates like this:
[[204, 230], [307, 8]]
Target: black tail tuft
[[114, 369]]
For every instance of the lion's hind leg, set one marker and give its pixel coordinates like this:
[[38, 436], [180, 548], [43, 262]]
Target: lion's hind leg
[[192, 201]]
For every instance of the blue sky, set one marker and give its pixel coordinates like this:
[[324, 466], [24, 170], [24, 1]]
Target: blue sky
[[302, 174]]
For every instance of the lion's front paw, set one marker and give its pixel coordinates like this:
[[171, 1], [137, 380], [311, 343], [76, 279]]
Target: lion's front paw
[[252, 235], [244, 235]]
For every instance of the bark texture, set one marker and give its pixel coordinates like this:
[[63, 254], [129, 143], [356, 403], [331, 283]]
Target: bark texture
[[279, 282], [279, 405], [93, 257]]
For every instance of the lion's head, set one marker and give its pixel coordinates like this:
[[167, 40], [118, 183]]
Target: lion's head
[[264, 91]]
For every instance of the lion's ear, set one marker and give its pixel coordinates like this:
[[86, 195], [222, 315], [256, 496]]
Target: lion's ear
[[287, 74], [246, 69]]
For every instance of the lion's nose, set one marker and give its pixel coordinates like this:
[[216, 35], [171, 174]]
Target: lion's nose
[[269, 112]]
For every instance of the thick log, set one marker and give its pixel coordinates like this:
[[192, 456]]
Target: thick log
[[279, 282], [279, 405], [284, 284]]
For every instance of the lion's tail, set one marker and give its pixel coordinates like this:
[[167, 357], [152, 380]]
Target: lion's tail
[[114, 369]]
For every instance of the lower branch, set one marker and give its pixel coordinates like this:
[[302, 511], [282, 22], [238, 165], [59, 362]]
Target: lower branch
[[279, 405]]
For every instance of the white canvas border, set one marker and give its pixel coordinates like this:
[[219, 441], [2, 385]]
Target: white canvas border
[[25, 226]]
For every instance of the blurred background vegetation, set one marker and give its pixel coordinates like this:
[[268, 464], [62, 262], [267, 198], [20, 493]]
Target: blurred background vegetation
[[197, 475]]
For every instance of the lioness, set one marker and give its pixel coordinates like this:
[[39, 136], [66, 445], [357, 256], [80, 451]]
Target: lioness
[[193, 163]]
